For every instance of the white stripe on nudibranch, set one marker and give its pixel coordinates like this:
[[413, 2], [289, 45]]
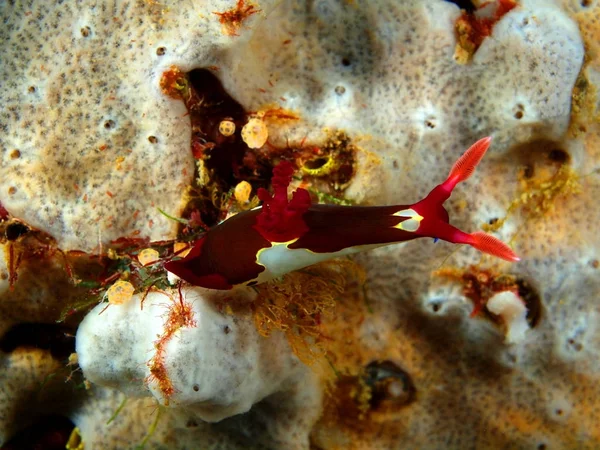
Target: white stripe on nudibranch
[[279, 259], [413, 221]]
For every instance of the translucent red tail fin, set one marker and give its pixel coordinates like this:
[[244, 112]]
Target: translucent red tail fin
[[492, 246], [466, 164], [435, 218]]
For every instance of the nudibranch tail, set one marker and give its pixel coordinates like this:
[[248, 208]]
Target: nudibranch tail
[[462, 169], [466, 164], [435, 223], [492, 246]]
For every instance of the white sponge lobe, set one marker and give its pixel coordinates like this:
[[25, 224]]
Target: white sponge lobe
[[217, 367], [513, 312]]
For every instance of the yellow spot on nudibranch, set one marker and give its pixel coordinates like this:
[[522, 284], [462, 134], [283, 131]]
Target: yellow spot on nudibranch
[[75, 441], [120, 292], [412, 223], [181, 249]]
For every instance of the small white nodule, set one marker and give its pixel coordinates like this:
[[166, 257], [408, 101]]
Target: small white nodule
[[513, 312]]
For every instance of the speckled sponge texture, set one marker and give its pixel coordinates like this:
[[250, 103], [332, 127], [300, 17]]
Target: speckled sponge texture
[[90, 148], [219, 365]]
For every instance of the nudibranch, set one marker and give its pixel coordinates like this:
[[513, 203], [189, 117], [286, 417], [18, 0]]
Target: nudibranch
[[284, 235]]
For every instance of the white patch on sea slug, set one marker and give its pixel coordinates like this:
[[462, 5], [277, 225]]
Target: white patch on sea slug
[[412, 224]]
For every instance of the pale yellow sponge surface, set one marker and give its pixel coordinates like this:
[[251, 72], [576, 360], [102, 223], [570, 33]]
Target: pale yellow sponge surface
[[89, 146]]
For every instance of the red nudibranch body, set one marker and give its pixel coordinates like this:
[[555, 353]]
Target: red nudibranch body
[[285, 235]]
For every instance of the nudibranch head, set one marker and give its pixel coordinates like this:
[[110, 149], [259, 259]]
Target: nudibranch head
[[194, 273], [229, 254]]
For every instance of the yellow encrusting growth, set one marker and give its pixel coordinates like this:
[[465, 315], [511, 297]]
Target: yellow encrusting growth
[[227, 127], [174, 83], [255, 133], [585, 92], [242, 193], [297, 304], [320, 166], [120, 292], [539, 195], [148, 256]]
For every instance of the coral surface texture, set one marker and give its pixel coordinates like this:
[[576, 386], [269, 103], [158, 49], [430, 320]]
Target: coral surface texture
[[128, 128]]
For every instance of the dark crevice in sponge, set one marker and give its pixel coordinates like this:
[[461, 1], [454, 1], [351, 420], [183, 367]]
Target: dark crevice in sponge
[[467, 5], [46, 433], [55, 338]]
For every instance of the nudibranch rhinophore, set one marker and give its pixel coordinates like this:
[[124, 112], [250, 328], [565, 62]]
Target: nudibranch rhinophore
[[284, 235]]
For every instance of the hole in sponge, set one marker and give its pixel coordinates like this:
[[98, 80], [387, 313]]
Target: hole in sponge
[[191, 423], [317, 163], [577, 346], [519, 111], [55, 338], [559, 156], [15, 230], [227, 159], [539, 158], [532, 300], [467, 5], [48, 433], [391, 387]]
